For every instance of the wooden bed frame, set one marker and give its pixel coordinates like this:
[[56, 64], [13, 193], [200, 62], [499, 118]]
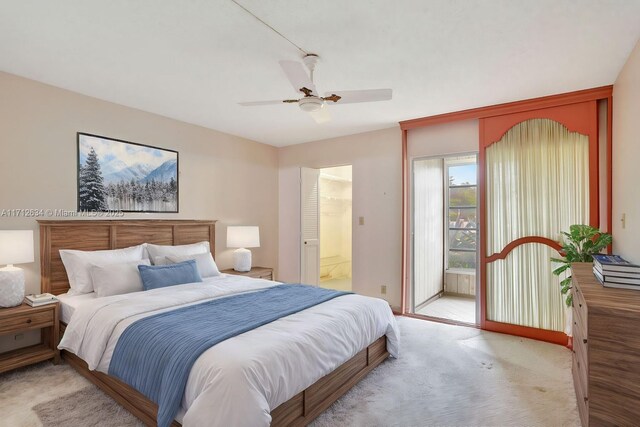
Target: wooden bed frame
[[88, 235]]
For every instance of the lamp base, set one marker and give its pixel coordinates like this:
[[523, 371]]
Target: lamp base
[[11, 286], [242, 260]]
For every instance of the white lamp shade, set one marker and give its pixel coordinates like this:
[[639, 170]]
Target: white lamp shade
[[16, 246], [243, 237]]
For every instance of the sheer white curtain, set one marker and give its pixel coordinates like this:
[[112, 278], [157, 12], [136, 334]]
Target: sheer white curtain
[[428, 228], [537, 184]]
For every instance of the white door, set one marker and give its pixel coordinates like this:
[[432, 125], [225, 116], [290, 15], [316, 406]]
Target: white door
[[310, 221]]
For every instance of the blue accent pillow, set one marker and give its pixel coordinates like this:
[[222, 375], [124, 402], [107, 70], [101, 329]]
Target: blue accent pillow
[[161, 276]]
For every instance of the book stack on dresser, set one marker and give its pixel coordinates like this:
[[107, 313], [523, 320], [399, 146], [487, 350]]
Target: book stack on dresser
[[613, 271], [37, 300], [606, 350]]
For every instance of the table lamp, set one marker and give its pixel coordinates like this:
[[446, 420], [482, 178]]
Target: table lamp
[[242, 237], [16, 247]]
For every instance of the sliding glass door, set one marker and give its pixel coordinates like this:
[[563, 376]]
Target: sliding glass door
[[428, 230], [444, 225]]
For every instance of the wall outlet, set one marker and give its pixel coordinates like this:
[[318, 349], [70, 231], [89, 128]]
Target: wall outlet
[[383, 289]]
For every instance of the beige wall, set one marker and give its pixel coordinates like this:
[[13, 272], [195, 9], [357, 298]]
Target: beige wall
[[222, 177], [377, 196], [626, 152], [442, 140]]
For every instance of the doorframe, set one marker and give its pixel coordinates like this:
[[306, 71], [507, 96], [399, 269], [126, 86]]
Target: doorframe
[[594, 94], [353, 225], [411, 226], [300, 213]]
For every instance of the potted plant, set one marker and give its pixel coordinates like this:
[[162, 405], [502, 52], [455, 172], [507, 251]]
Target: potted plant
[[580, 244]]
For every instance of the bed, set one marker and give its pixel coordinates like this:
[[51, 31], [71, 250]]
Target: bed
[[298, 382]]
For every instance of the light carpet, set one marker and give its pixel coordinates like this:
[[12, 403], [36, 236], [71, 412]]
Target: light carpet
[[446, 376]]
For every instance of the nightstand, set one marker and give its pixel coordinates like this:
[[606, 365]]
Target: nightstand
[[256, 272], [24, 318]]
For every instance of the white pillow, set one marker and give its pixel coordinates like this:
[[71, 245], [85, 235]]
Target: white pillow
[[156, 251], [116, 279], [78, 263], [162, 260], [205, 263]]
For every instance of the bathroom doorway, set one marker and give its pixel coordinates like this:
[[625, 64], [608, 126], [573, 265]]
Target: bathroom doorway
[[336, 199]]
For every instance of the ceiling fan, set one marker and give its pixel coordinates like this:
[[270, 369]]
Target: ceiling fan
[[312, 102]]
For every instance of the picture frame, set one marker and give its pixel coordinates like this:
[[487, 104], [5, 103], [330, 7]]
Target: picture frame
[[124, 176]]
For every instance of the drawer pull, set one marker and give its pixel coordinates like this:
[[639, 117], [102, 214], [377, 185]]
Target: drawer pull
[[584, 341], [586, 399], [580, 305], [578, 364], [28, 320]]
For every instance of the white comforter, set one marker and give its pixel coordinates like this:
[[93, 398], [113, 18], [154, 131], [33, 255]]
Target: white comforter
[[239, 381]]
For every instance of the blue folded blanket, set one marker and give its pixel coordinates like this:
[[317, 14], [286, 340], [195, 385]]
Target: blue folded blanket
[[154, 355]]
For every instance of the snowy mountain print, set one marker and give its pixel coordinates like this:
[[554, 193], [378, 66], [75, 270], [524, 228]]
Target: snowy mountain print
[[136, 172], [164, 172], [118, 175]]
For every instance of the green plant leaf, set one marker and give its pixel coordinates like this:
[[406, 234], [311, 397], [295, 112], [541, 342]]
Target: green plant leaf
[[578, 245], [566, 282], [558, 271], [575, 233], [569, 300], [601, 242], [587, 246]]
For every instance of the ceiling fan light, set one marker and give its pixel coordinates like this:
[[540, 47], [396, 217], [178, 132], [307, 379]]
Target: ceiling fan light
[[310, 104]]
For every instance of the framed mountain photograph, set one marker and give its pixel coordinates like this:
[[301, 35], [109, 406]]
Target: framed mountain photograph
[[115, 175]]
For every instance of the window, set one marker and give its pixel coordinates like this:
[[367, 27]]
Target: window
[[462, 197]]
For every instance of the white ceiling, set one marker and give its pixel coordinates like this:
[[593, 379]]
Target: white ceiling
[[195, 60]]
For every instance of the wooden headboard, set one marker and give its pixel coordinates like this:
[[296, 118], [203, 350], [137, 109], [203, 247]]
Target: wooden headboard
[[90, 235]]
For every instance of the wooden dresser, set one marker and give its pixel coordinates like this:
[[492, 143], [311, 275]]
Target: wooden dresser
[[606, 351]]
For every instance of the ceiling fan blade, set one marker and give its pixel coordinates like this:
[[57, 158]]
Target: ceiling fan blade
[[322, 115], [298, 76], [368, 95], [256, 103]]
